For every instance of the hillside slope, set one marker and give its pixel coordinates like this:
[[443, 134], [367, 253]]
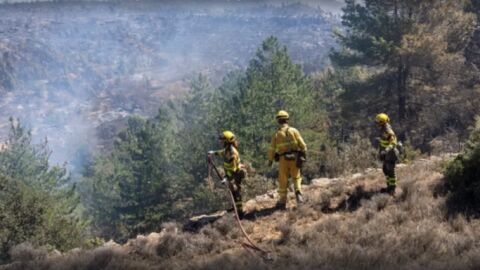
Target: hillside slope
[[74, 69], [345, 224]]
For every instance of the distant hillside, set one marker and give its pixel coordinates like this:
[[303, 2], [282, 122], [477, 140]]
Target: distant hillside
[[345, 224], [70, 69]]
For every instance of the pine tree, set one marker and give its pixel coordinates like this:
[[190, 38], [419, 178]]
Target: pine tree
[[407, 55], [271, 82], [136, 187], [38, 204], [198, 130]]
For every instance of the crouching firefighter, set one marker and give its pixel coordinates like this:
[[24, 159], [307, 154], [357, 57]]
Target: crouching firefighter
[[388, 152], [288, 148], [234, 174]]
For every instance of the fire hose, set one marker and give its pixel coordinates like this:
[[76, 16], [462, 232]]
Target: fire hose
[[250, 245]]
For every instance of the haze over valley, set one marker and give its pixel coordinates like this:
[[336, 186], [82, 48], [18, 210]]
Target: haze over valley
[[73, 70]]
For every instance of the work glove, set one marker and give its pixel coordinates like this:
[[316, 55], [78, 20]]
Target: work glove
[[224, 181]]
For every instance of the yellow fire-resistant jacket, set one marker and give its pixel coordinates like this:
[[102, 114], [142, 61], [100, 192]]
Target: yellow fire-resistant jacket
[[231, 160], [387, 136], [286, 139]]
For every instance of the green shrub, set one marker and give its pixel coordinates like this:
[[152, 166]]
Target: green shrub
[[38, 204], [410, 153], [462, 176], [92, 243]]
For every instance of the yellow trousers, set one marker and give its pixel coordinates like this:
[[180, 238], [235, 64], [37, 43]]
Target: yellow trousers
[[288, 168]]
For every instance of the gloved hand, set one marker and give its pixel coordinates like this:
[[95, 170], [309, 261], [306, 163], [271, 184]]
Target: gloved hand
[[224, 181], [270, 163], [303, 156]]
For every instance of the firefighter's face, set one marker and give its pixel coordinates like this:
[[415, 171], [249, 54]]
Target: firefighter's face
[[221, 142]]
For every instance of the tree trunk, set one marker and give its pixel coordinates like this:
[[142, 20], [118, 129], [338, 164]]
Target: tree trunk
[[401, 91]]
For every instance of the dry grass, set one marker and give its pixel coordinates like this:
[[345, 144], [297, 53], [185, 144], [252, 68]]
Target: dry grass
[[26, 252], [345, 224]]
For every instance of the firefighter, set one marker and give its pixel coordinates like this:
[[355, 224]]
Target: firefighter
[[288, 148], [234, 174], [388, 152]]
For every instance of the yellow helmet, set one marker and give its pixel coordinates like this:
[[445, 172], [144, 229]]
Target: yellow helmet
[[382, 118], [282, 115], [227, 136]]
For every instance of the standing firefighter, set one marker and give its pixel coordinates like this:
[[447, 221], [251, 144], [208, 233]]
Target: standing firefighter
[[232, 167], [288, 148], [388, 151]]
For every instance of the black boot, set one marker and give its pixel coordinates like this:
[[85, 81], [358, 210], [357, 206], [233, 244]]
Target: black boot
[[391, 189], [281, 206], [241, 214], [299, 197]]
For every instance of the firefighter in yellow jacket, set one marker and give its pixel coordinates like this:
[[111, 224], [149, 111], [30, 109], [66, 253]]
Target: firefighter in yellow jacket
[[388, 151], [289, 149], [234, 174]]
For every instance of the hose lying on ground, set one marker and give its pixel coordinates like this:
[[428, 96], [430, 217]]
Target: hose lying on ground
[[250, 244]]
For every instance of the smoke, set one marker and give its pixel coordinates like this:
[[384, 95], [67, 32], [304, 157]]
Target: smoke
[[79, 68], [333, 6]]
